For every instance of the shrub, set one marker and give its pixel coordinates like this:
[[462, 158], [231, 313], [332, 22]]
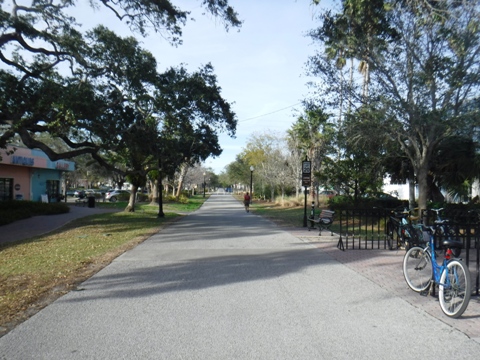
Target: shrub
[[142, 197], [8, 217], [289, 201], [182, 199], [341, 202], [467, 213], [11, 211], [123, 197], [170, 198], [185, 193], [346, 202]]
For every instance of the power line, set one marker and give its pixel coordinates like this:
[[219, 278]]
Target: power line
[[273, 112]]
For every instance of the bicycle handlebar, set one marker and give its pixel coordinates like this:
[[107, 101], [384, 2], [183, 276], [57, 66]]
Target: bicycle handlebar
[[442, 221]]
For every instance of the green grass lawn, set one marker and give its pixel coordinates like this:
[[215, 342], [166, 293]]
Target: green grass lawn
[[286, 216], [283, 216]]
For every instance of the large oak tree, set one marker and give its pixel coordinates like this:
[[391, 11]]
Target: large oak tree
[[40, 42], [423, 77]]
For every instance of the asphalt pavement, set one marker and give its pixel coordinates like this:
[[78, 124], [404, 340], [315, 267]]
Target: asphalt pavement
[[225, 284]]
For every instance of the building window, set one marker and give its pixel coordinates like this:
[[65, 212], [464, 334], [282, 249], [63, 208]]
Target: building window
[[6, 189]]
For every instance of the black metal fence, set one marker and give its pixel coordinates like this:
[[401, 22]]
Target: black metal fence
[[365, 229]]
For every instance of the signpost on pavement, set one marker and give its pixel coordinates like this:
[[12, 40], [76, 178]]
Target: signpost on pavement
[[306, 181]]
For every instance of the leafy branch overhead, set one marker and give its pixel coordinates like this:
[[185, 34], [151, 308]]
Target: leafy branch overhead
[[112, 85]]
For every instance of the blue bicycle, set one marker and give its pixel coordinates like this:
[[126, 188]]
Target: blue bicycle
[[421, 270]]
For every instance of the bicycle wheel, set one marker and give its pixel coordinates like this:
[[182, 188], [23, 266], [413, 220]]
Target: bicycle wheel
[[417, 269], [455, 288]]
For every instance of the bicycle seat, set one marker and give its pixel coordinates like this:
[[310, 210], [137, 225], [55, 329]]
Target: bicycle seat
[[454, 244]]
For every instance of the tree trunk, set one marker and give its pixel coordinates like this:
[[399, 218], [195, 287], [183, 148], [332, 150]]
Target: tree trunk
[[181, 178], [131, 201], [355, 191], [434, 194], [154, 193], [411, 192], [350, 102], [422, 178], [340, 105]]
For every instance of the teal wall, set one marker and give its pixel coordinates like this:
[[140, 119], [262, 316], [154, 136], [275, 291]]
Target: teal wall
[[39, 181]]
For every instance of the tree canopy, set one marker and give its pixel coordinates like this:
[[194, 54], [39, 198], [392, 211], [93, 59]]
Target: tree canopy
[[423, 75], [92, 89]]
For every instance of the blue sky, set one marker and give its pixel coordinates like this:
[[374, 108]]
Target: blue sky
[[261, 68]]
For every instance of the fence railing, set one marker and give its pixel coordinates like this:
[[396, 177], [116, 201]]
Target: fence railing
[[365, 229]]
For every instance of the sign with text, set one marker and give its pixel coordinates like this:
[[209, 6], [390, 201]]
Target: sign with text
[[306, 173]]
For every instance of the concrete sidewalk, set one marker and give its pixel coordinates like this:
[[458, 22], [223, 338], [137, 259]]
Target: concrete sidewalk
[[224, 284], [39, 225]]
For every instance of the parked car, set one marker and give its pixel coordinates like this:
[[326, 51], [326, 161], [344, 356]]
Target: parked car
[[70, 192], [79, 194], [328, 193], [113, 195], [104, 191], [379, 196], [383, 199]]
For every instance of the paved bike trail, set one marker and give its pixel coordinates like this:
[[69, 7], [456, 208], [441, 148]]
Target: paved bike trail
[[225, 284]]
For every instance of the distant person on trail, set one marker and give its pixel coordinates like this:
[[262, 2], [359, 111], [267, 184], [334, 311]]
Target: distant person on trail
[[246, 202]]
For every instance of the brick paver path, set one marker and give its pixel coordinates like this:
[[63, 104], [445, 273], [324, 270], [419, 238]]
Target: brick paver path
[[384, 267]]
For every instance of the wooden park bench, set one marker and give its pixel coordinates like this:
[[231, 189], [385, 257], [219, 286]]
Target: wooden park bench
[[324, 221]]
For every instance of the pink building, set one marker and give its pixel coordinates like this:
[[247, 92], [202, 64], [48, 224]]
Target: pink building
[[27, 174]]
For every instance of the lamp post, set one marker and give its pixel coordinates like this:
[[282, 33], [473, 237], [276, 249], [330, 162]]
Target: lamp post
[[204, 185], [251, 183], [159, 191], [66, 187]]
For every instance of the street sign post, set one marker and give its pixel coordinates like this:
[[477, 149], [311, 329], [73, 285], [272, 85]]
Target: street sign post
[[306, 182]]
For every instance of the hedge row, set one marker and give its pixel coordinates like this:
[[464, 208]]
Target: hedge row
[[11, 211]]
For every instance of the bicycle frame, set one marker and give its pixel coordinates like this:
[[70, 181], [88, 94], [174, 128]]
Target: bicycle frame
[[399, 224], [422, 272], [437, 269], [445, 229]]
